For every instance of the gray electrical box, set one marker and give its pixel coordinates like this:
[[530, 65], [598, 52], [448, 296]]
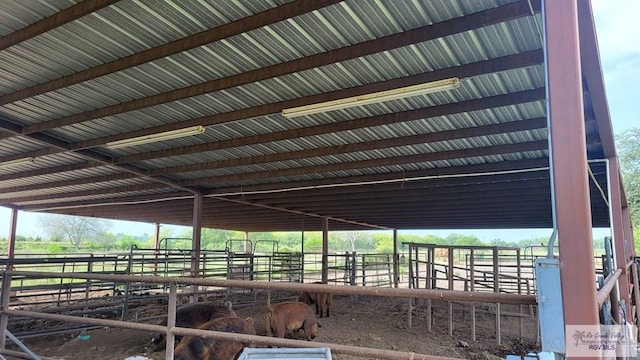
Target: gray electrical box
[[550, 305]]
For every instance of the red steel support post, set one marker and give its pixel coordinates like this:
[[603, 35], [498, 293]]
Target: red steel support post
[[11, 248], [396, 260], [6, 278], [619, 240], [569, 163], [197, 230], [325, 250]]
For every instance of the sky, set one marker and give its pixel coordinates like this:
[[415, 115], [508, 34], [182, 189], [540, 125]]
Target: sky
[[618, 32]]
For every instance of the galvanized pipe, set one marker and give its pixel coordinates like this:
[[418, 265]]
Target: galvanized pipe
[[22, 346], [265, 340], [636, 288], [21, 355], [450, 295], [609, 283]]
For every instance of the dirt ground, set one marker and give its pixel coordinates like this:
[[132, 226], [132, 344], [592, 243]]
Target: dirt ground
[[372, 322]]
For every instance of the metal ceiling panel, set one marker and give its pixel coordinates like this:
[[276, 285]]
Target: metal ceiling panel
[[60, 103]]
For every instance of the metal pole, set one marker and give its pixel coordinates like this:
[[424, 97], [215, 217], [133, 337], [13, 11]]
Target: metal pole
[[614, 184], [325, 250], [396, 260], [156, 246], [196, 240], [473, 322], [444, 295], [429, 315], [171, 321], [636, 288], [4, 305], [450, 264], [450, 318], [568, 160], [22, 346], [11, 248], [473, 273], [498, 327]]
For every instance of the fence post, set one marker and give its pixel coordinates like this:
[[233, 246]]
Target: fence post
[[4, 304], [354, 269], [171, 321], [364, 271], [412, 283]]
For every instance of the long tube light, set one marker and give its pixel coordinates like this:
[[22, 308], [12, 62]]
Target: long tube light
[[15, 162], [377, 97], [146, 139]]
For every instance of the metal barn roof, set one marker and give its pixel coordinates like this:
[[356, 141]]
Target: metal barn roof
[[77, 75]]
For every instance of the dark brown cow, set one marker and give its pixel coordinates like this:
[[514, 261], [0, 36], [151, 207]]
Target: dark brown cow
[[199, 348], [322, 300], [192, 316], [288, 317]]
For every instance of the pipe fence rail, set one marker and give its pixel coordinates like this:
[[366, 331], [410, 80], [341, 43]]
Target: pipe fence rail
[[174, 282]]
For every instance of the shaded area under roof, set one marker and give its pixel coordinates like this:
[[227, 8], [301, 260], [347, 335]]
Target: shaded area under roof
[[76, 77]]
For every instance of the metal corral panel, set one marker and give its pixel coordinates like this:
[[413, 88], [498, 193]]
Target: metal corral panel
[[285, 353]]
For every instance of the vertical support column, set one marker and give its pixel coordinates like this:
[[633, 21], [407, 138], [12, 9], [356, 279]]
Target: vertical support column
[[396, 260], [197, 231], [636, 290], [627, 230], [4, 303], [11, 247], [6, 277], [496, 289], [245, 243], [450, 267], [325, 250], [619, 240], [196, 243], [472, 270], [568, 160], [156, 241], [156, 236]]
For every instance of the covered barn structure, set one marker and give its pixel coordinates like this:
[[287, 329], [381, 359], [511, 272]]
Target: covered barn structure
[[308, 115]]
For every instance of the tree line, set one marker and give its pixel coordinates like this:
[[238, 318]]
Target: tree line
[[82, 235]]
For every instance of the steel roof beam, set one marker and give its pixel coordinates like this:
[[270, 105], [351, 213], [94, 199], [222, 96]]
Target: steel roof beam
[[388, 161], [240, 26], [449, 27], [49, 23], [514, 126]]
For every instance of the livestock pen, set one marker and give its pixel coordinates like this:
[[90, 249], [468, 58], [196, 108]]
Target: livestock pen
[[135, 286]]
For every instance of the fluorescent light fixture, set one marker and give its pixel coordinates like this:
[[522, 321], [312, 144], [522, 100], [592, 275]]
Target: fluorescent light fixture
[[145, 139], [394, 94], [15, 162]]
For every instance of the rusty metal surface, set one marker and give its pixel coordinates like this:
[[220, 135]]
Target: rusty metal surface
[[569, 162], [334, 289]]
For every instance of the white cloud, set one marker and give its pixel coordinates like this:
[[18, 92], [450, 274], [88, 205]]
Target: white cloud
[[618, 28], [618, 31]]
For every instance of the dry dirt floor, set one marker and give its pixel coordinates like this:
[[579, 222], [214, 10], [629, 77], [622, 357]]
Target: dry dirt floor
[[372, 322]]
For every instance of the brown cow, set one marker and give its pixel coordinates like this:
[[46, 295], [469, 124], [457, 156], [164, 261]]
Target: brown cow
[[288, 317], [322, 300], [200, 348], [192, 316]]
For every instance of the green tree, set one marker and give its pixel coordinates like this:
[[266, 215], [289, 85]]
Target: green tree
[[215, 239], [628, 145], [464, 240], [74, 229]]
